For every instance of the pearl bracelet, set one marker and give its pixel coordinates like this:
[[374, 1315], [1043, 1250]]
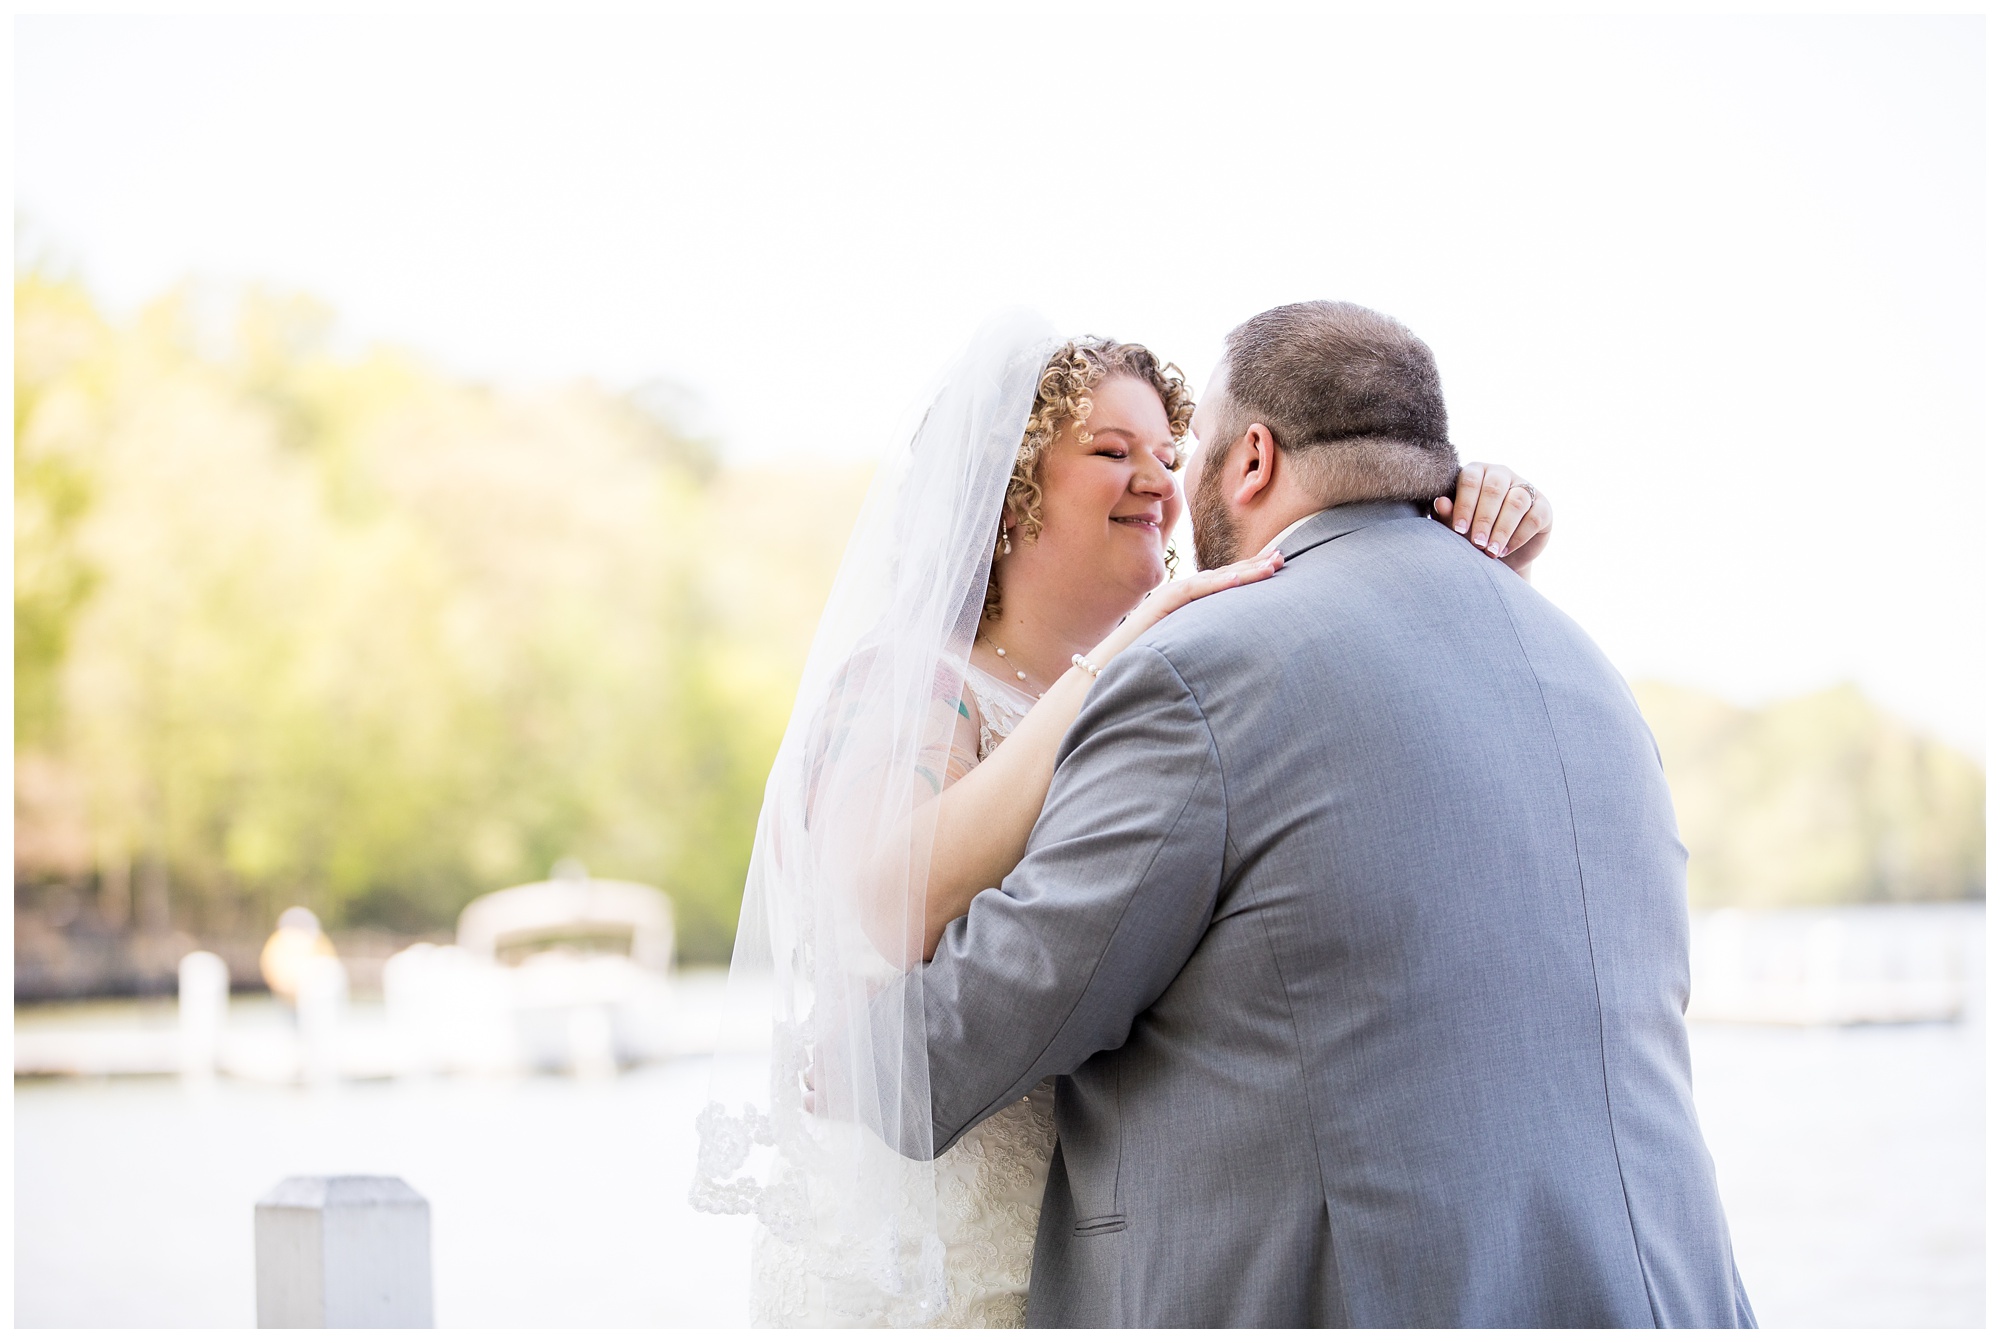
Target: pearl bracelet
[[1076, 660]]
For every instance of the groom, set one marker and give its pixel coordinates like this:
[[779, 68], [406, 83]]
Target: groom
[[1354, 928]]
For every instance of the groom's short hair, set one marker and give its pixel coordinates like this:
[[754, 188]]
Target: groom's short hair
[[1351, 395]]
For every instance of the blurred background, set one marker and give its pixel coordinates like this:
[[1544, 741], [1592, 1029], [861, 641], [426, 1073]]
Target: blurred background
[[434, 439]]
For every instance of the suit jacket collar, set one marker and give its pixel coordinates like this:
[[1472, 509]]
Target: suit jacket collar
[[1344, 518]]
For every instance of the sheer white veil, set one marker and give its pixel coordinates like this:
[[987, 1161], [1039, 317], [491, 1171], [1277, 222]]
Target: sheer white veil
[[835, 890]]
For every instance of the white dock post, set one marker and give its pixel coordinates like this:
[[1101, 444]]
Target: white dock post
[[322, 1002], [343, 1252], [204, 1006]]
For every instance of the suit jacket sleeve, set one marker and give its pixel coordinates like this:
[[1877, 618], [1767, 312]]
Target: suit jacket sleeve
[[1117, 887]]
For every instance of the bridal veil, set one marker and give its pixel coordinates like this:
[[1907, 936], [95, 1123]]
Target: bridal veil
[[801, 1135]]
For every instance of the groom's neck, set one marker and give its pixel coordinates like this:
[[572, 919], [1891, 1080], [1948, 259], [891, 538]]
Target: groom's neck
[[1257, 528], [1286, 502], [1255, 539]]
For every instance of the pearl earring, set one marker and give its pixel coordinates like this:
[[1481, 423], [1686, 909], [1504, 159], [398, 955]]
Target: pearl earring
[[1006, 542]]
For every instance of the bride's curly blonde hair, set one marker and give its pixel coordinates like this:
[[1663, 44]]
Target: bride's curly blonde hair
[[1062, 398]]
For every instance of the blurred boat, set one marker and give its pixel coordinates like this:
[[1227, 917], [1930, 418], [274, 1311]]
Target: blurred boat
[[565, 975]]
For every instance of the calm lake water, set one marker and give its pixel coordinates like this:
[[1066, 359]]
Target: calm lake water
[[1852, 1162]]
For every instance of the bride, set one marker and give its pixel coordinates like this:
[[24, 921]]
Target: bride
[[1018, 543]]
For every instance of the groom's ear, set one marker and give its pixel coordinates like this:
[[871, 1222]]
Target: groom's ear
[[1257, 466]]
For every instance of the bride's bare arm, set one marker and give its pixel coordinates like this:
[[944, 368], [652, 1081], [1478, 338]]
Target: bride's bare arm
[[983, 818]]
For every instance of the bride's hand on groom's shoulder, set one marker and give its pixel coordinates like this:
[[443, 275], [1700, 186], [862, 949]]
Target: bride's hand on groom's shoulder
[[1170, 597], [1499, 512]]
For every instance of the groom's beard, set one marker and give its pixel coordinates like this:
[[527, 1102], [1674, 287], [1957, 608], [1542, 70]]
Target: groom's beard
[[1215, 533]]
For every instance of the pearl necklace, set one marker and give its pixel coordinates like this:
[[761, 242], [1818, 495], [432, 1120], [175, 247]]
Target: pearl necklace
[[1019, 675]]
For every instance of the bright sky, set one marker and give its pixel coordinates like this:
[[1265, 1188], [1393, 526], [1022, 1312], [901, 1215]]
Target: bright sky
[[1715, 285]]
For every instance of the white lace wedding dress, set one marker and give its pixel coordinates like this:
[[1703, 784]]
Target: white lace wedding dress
[[989, 1185]]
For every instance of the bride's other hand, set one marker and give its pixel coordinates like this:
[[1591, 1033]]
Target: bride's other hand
[[1170, 597], [1500, 513]]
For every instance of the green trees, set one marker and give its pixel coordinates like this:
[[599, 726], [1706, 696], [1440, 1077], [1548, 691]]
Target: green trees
[[1817, 800], [299, 627], [59, 348]]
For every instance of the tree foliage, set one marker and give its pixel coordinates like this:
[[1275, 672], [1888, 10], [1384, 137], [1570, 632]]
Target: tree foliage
[[307, 627], [1823, 799]]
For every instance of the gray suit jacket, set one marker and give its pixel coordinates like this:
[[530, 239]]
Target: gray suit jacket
[[1354, 930]]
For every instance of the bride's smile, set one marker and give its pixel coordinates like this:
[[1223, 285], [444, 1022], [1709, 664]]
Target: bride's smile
[[1146, 522]]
